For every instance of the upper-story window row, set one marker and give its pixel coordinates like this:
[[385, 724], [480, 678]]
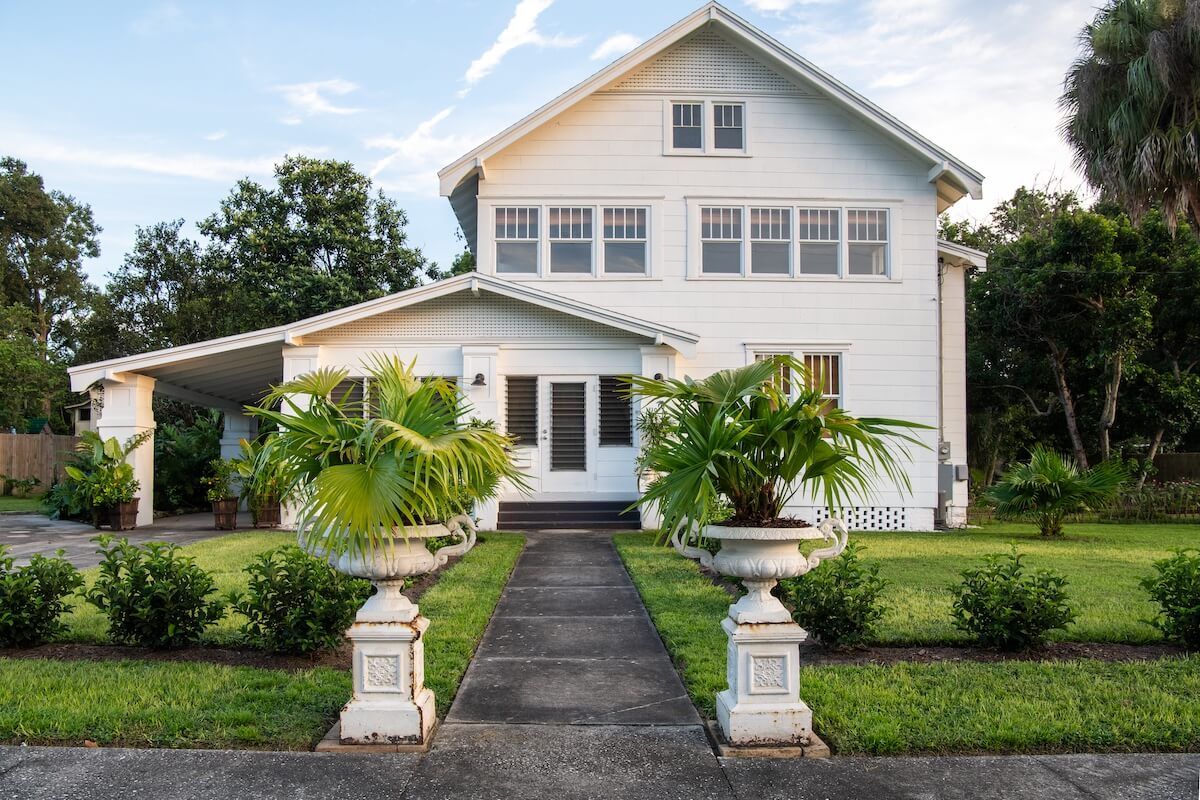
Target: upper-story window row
[[818, 244], [572, 245]]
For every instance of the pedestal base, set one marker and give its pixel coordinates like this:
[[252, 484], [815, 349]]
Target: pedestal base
[[762, 704], [746, 724], [391, 705], [369, 721]]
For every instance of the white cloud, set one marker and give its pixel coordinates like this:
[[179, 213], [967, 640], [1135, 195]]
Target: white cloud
[[198, 166], [616, 45], [312, 97], [975, 78], [779, 6], [412, 164], [520, 31], [215, 136], [159, 19]]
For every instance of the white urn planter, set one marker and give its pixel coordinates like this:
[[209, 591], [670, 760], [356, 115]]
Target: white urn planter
[[761, 704], [391, 704]]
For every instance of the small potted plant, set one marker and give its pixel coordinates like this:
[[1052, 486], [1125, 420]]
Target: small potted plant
[[221, 493], [261, 484], [104, 481]]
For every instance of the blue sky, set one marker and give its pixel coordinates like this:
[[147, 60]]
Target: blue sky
[[152, 111]]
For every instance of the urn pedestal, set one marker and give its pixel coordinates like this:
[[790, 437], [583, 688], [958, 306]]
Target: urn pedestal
[[391, 704], [761, 705]]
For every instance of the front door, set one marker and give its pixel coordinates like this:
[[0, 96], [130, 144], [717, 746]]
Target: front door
[[567, 440]]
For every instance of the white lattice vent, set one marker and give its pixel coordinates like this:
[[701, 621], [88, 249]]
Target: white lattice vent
[[464, 316], [871, 518], [706, 61]]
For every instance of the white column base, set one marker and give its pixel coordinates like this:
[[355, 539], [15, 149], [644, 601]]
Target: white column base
[[762, 705], [391, 704]]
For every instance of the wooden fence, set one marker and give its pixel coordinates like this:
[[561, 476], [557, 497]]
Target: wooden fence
[[1177, 467], [35, 455]]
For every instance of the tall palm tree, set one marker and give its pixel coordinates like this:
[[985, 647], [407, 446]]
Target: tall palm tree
[[1133, 106]]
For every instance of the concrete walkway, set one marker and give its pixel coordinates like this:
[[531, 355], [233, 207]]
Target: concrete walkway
[[26, 534], [572, 695]]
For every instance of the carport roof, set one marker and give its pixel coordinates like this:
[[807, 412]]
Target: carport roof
[[233, 370]]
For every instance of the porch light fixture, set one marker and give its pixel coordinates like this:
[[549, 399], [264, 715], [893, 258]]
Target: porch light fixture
[[479, 381], [658, 376]]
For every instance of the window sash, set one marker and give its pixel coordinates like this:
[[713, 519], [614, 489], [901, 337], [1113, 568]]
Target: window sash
[[825, 374], [573, 224], [687, 126], [867, 225], [721, 224], [727, 121], [517, 223], [770, 224], [624, 224], [818, 225]]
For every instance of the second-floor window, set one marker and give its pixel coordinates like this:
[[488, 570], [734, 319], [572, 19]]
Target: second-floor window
[[728, 128], [770, 241], [571, 241], [867, 232], [687, 126], [625, 241], [517, 240], [818, 236], [721, 241]]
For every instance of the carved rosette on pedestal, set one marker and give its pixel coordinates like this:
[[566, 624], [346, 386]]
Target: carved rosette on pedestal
[[391, 704], [762, 704]]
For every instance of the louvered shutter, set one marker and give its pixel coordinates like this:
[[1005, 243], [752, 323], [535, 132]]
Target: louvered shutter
[[568, 427], [522, 422], [616, 412]]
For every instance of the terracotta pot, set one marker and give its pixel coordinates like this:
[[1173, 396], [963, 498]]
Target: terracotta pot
[[267, 514], [226, 511], [123, 516]]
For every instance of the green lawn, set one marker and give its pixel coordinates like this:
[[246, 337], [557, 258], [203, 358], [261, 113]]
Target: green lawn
[[32, 504], [181, 704], [950, 707]]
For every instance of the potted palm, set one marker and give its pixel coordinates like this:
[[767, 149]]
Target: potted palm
[[372, 481], [733, 451], [104, 482], [221, 493], [260, 485]]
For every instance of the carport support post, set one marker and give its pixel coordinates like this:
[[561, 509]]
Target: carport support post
[[127, 411], [297, 361]]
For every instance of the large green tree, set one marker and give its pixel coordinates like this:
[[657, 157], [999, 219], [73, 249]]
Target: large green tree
[[322, 239], [28, 378], [44, 237], [1133, 106]]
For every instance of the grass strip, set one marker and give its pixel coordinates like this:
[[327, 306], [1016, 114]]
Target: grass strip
[[191, 704], [1006, 707]]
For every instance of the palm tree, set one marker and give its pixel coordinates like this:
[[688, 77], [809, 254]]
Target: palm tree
[[740, 444], [363, 472], [1050, 486], [1133, 106]]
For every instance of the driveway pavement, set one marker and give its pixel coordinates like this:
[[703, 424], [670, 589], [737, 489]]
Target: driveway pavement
[[26, 534]]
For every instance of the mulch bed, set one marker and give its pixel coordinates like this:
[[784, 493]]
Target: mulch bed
[[341, 658]]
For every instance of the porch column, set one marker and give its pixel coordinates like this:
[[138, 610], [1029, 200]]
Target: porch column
[[657, 360], [126, 410], [485, 404], [296, 362]]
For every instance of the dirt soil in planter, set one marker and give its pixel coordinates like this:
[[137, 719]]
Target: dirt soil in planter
[[341, 658], [782, 522]]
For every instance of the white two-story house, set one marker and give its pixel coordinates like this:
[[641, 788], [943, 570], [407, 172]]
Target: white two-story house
[[708, 199]]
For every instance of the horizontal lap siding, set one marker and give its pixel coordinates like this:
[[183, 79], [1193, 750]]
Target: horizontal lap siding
[[802, 150]]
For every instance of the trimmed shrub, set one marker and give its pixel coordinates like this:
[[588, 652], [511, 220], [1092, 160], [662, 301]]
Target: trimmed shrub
[[153, 595], [1176, 589], [32, 597], [839, 602], [1003, 607], [296, 603]]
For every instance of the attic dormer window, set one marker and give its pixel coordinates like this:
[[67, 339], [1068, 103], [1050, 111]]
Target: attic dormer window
[[687, 126]]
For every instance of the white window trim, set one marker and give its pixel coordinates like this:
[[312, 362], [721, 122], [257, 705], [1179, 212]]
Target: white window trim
[[593, 242], [708, 133], [488, 240], [539, 255], [790, 242], [695, 252], [798, 350]]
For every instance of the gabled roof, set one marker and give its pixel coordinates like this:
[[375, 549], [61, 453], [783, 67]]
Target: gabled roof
[[953, 177], [268, 342]]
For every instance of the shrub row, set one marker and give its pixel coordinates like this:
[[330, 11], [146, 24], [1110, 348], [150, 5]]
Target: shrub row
[[1000, 604], [155, 596]]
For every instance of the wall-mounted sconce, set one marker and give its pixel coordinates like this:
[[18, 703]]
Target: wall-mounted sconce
[[658, 376], [479, 381]]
